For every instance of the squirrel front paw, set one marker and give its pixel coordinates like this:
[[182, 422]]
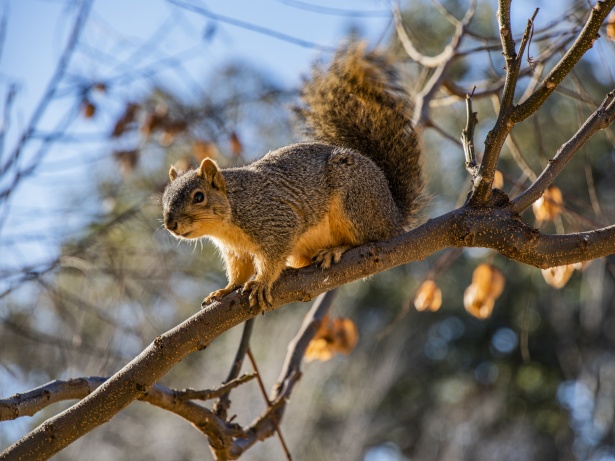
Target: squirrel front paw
[[325, 258], [216, 295], [260, 294]]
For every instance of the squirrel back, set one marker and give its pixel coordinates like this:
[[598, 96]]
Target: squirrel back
[[357, 102]]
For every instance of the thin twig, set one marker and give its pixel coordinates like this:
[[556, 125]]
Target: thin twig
[[584, 42], [467, 136], [599, 120], [274, 418], [223, 403], [249, 26], [208, 394]]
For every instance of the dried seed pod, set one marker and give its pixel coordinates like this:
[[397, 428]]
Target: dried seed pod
[[487, 285], [498, 180], [236, 145], [558, 276], [549, 206], [88, 109], [489, 280], [428, 297], [476, 303], [127, 160], [129, 116], [610, 27], [204, 149], [339, 335]]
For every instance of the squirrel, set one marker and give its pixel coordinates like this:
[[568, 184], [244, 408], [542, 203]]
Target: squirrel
[[359, 180]]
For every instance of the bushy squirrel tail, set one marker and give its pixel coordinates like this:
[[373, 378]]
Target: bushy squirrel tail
[[357, 102]]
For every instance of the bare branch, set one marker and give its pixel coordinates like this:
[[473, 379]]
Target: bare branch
[[52, 86], [446, 54], [467, 137], [208, 394], [274, 416], [248, 26], [495, 140], [599, 120], [31, 402], [223, 403], [584, 42]]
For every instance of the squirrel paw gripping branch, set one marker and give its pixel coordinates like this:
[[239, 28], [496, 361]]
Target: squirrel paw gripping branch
[[358, 181]]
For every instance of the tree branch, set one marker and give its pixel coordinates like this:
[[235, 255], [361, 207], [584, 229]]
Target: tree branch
[[497, 227], [495, 139], [584, 42], [599, 120]]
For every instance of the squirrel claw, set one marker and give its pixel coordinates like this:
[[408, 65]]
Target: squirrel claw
[[216, 295], [325, 258], [260, 294]]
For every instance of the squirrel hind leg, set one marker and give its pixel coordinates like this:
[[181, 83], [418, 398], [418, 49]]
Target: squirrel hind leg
[[329, 256]]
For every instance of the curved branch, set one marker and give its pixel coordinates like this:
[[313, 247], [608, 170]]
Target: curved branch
[[449, 51], [584, 42], [495, 227], [31, 402], [599, 120]]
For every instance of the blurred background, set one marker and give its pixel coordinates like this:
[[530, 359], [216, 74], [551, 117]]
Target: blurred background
[[99, 98]]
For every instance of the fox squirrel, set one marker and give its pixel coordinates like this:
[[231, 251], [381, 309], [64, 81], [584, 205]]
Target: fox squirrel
[[360, 180]]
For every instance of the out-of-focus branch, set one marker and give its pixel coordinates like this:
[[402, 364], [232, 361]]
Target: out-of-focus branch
[[441, 63], [223, 403], [291, 372], [248, 26], [584, 42], [448, 52], [48, 95], [599, 120]]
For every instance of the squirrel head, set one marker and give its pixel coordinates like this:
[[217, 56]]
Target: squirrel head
[[194, 203]]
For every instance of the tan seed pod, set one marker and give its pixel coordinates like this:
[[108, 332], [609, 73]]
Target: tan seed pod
[[610, 27], [549, 206], [88, 109], [498, 180], [345, 335], [489, 280], [558, 276], [476, 303], [339, 335], [236, 145], [428, 297], [204, 149]]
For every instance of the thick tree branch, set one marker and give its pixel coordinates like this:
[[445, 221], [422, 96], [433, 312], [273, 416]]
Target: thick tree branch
[[496, 227]]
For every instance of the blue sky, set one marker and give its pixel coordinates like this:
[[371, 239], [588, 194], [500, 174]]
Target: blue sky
[[36, 34]]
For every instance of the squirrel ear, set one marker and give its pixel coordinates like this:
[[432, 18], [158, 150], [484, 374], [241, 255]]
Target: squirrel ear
[[209, 171], [173, 174]]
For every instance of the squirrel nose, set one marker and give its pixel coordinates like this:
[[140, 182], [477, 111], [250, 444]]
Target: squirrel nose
[[170, 223]]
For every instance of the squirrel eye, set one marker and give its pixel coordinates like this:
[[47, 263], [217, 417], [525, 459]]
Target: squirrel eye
[[198, 197]]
